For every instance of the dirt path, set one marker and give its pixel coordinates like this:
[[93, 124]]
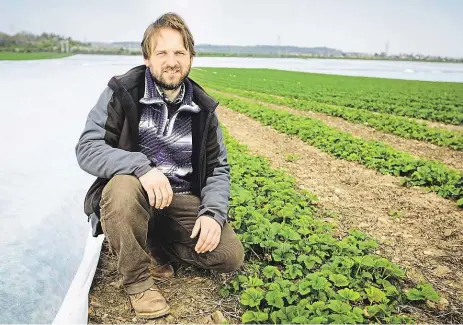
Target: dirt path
[[192, 294], [440, 125], [426, 150], [418, 230]]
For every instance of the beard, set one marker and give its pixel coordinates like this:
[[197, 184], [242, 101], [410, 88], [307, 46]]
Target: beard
[[162, 78]]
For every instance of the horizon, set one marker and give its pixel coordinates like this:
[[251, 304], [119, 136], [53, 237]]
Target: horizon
[[427, 27], [235, 45]]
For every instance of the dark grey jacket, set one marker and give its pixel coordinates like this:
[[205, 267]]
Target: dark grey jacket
[[109, 146]]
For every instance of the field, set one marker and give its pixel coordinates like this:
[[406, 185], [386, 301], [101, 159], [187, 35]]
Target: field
[[13, 56], [347, 194]]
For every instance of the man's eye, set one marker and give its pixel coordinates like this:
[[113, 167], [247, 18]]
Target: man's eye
[[161, 53]]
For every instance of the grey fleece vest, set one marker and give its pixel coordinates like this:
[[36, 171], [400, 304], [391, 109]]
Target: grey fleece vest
[[166, 138]]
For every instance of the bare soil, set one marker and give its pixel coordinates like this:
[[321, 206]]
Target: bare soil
[[192, 294], [440, 125]]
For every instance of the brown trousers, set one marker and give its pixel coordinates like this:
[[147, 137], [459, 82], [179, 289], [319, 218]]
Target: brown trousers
[[133, 228]]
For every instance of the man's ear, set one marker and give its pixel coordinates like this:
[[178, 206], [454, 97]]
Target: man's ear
[[147, 62]]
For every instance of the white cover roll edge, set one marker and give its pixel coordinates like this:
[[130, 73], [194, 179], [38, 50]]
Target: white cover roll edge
[[74, 309]]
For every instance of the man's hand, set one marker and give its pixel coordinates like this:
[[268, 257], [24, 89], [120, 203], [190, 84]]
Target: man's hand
[[158, 188], [209, 237]]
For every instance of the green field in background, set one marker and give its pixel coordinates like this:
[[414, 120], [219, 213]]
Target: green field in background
[[31, 55]]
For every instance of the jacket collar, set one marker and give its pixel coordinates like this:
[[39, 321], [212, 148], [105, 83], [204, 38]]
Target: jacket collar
[[135, 78], [154, 95]]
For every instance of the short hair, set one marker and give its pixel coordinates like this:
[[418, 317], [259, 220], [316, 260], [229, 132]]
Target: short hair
[[168, 20]]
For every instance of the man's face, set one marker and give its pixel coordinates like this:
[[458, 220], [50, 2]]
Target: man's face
[[170, 62]]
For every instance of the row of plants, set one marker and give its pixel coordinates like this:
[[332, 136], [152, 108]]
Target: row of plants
[[433, 175], [397, 125], [437, 101], [297, 271]]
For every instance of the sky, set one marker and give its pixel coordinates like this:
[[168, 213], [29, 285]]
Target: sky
[[432, 27]]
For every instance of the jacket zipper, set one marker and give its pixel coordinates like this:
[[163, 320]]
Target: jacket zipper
[[201, 149]]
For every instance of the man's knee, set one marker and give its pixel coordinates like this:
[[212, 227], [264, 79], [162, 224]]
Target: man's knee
[[122, 189], [123, 193], [231, 257]]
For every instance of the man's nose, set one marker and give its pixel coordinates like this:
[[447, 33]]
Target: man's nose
[[171, 60]]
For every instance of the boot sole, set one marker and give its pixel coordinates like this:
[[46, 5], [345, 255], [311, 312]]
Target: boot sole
[[157, 314]]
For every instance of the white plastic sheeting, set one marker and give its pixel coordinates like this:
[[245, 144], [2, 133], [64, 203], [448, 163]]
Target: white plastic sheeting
[[43, 230], [426, 71], [74, 309], [48, 258]]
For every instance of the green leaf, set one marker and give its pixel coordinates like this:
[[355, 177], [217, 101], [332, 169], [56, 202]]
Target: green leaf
[[293, 270], [423, 292], [283, 252], [384, 263], [375, 294], [299, 320], [243, 279], [262, 317], [368, 244], [254, 316], [304, 287], [274, 316], [341, 319], [367, 275], [248, 317], [275, 298], [255, 282], [318, 320], [236, 285], [339, 280], [373, 310], [415, 294], [317, 307], [271, 271], [368, 260], [224, 292], [429, 293], [303, 303], [319, 283], [348, 294], [357, 315], [339, 307], [391, 290], [252, 297], [309, 261]]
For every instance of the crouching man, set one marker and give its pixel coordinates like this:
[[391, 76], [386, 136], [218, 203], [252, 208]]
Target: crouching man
[[154, 143]]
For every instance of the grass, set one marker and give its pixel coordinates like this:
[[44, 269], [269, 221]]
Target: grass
[[14, 56]]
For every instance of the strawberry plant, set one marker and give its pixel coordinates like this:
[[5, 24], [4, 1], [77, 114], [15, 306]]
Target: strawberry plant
[[433, 175], [439, 101], [296, 271], [401, 126]]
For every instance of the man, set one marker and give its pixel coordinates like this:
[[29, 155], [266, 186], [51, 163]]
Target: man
[[154, 142]]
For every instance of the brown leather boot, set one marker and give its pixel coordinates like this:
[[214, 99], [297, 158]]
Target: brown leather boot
[[160, 267], [149, 303], [161, 272]]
